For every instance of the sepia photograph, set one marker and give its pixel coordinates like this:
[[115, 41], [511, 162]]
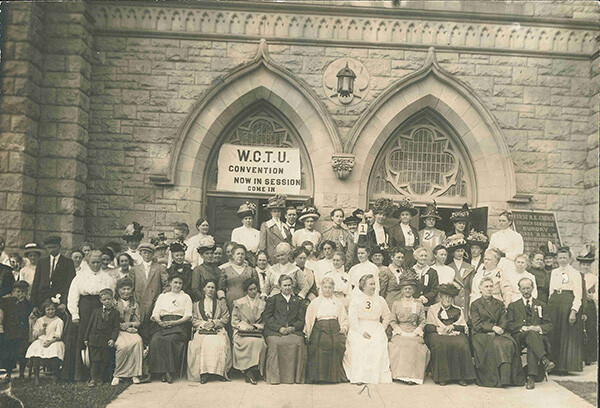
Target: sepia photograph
[[299, 203]]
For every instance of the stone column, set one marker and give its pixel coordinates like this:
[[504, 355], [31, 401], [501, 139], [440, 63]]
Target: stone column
[[62, 169], [590, 214], [21, 81]]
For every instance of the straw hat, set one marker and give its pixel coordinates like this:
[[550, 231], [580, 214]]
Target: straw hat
[[406, 205], [247, 209]]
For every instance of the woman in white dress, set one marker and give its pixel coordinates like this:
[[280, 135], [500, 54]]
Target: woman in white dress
[[209, 352], [246, 235], [342, 287], [512, 278], [47, 346], [364, 267], [507, 241], [502, 289], [366, 359], [308, 216], [324, 264]]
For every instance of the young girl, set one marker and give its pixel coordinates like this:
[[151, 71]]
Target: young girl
[[47, 347], [129, 344], [100, 336]]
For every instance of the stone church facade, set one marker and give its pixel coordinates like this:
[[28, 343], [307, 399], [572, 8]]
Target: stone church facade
[[115, 112]]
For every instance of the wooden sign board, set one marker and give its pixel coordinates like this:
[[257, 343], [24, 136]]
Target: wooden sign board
[[537, 228]]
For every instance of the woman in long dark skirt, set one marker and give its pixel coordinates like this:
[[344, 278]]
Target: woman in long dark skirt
[[497, 358], [326, 325], [446, 335], [590, 279], [82, 300], [171, 316], [564, 306]]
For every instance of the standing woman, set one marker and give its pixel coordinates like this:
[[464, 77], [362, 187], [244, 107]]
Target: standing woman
[[77, 258], [463, 272], [249, 347], [123, 269], [427, 278], [430, 237], [32, 253], [82, 300], [171, 314], [367, 359], [362, 268], [284, 320], [246, 235], [497, 357], [262, 267], [378, 236], [446, 334], [513, 279], [326, 327], [460, 222], [378, 255], [409, 355], [206, 270], [274, 231], [326, 254], [287, 268], [445, 273], [391, 277], [342, 287], [209, 351], [590, 311], [193, 243], [542, 276], [405, 235], [564, 307], [477, 244], [507, 241], [235, 274], [300, 256], [308, 216]]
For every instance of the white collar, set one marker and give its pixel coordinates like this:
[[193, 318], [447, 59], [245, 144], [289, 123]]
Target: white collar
[[525, 300], [287, 297], [405, 227]]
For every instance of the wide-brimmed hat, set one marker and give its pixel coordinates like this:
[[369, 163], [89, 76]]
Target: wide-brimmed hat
[[147, 246], [478, 238], [206, 244], [407, 282], [587, 255], [406, 205], [549, 249], [308, 210], [352, 220], [464, 214], [133, 232], [31, 247], [383, 206], [178, 246], [431, 211], [276, 202], [247, 209], [448, 289], [455, 241]]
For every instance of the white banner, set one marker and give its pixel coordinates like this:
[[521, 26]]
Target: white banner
[[253, 169]]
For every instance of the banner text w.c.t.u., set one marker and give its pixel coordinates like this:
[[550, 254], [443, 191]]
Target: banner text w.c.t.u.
[[254, 169]]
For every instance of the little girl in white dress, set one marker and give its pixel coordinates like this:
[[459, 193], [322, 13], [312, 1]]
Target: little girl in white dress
[[47, 347]]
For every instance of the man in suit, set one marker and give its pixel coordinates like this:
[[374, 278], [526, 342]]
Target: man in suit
[[149, 279], [53, 275], [291, 219], [529, 325], [274, 231]]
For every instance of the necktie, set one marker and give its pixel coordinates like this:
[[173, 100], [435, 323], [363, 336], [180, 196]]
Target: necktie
[[528, 310], [52, 266]]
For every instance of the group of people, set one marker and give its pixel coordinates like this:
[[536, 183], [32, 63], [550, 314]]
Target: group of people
[[357, 302]]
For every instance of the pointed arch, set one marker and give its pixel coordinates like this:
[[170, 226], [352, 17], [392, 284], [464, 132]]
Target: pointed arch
[[258, 80], [433, 88]]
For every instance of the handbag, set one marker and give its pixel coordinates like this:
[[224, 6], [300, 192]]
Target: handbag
[[252, 333], [205, 331]]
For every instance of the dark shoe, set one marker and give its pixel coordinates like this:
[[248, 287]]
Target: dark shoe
[[548, 365], [463, 383], [250, 377], [530, 383], [203, 378], [442, 383], [164, 378], [169, 378]]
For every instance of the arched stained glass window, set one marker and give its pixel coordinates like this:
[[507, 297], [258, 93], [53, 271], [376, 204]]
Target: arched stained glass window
[[422, 161], [262, 125]]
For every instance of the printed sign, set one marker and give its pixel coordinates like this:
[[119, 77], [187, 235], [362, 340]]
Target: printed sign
[[537, 228], [254, 169]]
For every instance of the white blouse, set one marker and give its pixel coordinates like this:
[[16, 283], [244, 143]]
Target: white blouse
[[409, 237], [567, 278], [508, 241], [191, 254], [340, 279], [87, 283], [512, 278], [327, 309], [445, 273], [303, 234], [179, 304], [248, 237]]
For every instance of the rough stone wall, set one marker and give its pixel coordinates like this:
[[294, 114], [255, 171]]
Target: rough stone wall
[[590, 214], [21, 78]]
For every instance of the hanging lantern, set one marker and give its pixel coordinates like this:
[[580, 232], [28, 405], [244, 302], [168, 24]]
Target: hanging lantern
[[345, 77]]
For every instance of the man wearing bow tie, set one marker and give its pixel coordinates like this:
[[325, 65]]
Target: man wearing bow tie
[[529, 326]]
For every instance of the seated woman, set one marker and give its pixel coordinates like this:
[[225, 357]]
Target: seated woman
[[285, 267], [326, 327], [129, 346], [408, 353], [124, 267], [284, 321], [249, 347], [172, 311], [446, 335], [367, 359], [209, 351], [497, 359]]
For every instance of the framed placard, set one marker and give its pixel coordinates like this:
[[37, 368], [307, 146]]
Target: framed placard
[[537, 228]]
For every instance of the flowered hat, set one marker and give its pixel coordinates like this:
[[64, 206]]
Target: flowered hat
[[133, 232], [276, 202], [383, 206], [431, 211], [549, 249], [406, 205], [178, 246], [455, 241], [588, 254], [207, 243], [478, 238], [308, 210], [247, 209], [464, 214]]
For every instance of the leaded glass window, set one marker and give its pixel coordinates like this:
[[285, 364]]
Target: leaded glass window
[[422, 161], [263, 125]]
